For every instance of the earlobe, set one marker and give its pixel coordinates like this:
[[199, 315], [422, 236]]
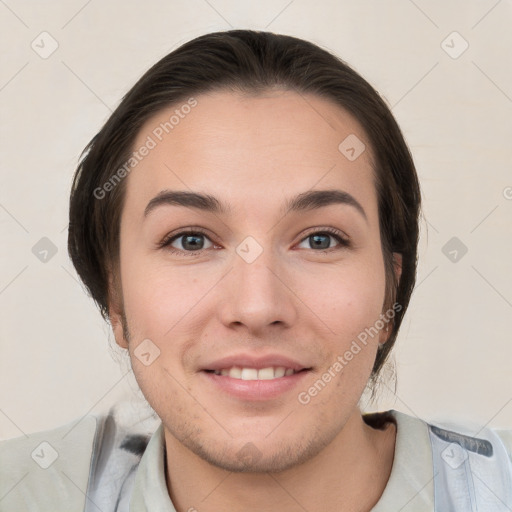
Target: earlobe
[[116, 315], [117, 328], [397, 265], [384, 335]]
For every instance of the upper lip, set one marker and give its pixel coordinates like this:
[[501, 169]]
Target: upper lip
[[257, 362]]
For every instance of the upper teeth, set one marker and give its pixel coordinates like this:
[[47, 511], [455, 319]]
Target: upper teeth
[[253, 374]]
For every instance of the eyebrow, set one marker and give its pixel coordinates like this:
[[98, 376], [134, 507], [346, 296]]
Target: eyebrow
[[306, 201]]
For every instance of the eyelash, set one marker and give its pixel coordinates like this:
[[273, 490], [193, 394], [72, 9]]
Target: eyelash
[[165, 243]]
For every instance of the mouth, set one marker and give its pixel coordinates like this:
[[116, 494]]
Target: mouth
[[255, 384], [269, 373]]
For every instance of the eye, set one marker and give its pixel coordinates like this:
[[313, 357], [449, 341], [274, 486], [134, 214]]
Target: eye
[[190, 242], [321, 240]]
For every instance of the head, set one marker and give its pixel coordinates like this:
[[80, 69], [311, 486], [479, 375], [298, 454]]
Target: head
[[250, 120]]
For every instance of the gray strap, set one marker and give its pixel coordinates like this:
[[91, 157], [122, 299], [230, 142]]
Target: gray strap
[[470, 474]]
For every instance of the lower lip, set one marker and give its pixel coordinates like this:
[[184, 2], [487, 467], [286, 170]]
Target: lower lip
[[256, 389]]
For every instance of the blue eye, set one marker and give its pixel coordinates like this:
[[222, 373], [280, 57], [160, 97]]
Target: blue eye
[[319, 239], [192, 241]]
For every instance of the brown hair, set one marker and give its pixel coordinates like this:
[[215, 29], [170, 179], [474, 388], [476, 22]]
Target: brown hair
[[252, 62]]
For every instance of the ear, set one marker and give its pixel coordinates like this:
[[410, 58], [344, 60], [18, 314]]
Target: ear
[[397, 267], [116, 314]]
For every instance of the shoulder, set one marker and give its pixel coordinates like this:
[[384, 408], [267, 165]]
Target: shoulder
[[445, 459], [40, 470], [474, 437], [443, 427], [91, 456], [506, 438]]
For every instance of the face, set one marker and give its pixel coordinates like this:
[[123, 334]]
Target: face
[[263, 281]]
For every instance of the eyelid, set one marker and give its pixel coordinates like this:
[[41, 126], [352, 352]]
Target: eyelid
[[168, 239], [328, 230], [344, 240]]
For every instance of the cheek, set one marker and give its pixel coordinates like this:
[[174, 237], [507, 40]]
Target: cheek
[[349, 303], [349, 298], [158, 296]]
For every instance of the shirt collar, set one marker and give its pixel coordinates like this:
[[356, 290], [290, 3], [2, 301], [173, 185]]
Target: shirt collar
[[150, 487], [410, 485]]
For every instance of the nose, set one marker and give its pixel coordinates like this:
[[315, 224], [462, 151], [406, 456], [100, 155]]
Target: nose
[[258, 294]]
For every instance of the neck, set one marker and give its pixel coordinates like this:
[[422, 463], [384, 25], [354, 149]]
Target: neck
[[349, 474]]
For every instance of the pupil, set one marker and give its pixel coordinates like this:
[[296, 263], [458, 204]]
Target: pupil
[[318, 238], [196, 242]]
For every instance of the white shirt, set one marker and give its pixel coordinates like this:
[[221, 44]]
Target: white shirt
[[67, 451]]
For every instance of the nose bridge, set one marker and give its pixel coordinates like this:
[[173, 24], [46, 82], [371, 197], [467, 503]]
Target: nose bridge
[[258, 296]]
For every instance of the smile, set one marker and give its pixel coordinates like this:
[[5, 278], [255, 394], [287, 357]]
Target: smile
[[269, 373], [251, 384]]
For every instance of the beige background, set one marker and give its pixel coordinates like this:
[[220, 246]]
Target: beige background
[[454, 352]]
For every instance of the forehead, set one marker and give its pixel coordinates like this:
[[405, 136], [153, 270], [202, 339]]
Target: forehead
[[250, 148]]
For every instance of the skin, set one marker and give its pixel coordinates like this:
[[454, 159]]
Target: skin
[[254, 152]]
